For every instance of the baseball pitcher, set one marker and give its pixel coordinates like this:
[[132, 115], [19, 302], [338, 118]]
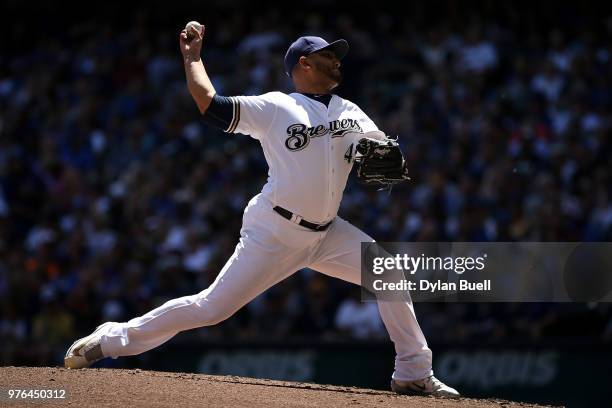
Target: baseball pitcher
[[311, 139]]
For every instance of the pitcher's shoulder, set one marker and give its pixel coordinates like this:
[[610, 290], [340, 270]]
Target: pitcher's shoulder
[[350, 105], [280, 98], [278, 95]]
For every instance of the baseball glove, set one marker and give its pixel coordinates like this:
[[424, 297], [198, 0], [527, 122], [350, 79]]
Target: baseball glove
[[380, 162]]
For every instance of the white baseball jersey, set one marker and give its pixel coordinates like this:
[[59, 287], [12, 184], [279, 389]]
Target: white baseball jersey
[[309, 147]]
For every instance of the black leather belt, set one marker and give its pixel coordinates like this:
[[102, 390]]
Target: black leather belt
[[298, 220]]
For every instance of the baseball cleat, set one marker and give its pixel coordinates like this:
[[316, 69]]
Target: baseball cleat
[[86, 351], [426, 386]]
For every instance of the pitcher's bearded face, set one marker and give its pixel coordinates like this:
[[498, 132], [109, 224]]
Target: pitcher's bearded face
[[328, 65]]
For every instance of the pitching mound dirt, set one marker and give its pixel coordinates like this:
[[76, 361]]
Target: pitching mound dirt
[[136, 388]]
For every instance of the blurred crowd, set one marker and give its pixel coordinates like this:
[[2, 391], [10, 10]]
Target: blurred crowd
[[115, 197]]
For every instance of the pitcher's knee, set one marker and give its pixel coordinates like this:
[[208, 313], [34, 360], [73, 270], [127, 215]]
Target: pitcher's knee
[[212, 312]]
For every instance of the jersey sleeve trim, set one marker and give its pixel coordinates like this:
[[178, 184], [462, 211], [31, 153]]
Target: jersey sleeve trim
[[236, 116], [220, 112]]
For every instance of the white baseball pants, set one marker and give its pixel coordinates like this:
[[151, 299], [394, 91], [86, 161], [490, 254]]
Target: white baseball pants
[[270, 249]]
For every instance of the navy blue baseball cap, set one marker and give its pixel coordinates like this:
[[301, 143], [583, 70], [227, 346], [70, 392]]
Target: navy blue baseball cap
[[307, 45]]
